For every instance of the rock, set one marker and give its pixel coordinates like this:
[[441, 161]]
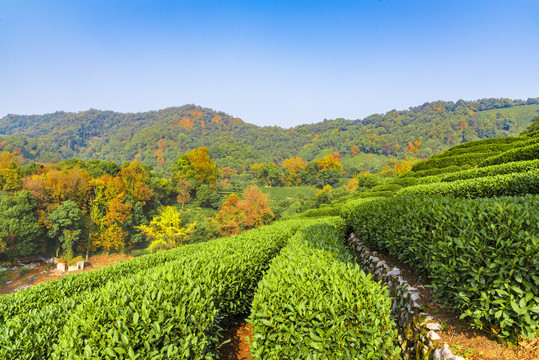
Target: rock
[[434, 326], [433, 336]]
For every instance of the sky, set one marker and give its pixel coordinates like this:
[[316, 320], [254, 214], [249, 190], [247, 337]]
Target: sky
[[279, 63]]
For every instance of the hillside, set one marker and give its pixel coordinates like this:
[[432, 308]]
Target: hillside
[[467, 228], [159, 137]]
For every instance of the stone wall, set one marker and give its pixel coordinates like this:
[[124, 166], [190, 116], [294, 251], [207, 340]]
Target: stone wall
[[417, 330]]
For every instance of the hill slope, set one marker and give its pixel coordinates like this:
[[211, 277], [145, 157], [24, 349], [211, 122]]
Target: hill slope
[[159, 137]]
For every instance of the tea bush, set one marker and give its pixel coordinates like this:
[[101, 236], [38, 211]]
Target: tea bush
[[315, 303], [180, 305], [480, 255], [508, 168], [490, 186]]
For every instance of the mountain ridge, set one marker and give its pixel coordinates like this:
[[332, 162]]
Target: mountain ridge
[[159, 136]]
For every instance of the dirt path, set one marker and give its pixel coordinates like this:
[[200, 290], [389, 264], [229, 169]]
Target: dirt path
[[238, 347]]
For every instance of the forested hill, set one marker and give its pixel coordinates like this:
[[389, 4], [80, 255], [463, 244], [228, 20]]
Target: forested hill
[[159, 137]]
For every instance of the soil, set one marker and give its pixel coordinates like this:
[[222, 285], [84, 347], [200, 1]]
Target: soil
[[47, 271], [238, 347], [472, 344]]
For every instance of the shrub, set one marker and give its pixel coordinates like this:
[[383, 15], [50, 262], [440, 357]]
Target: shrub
[[479, 254], [490, 186], [315, 302], [529, 152], [508, 168], [457, 160]]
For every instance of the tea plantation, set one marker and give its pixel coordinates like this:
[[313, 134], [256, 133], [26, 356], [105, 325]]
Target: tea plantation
[[466, 220]]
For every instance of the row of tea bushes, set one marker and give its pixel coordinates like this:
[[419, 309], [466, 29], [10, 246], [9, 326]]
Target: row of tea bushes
[[490, 186], [315, 303], [74, 286], [430, 172], [529, 152], [480, 255], [478, 148], [460, 160], [172, 310], [507, 168]]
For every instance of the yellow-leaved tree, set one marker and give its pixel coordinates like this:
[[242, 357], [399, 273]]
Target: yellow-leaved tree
[[166, 231]]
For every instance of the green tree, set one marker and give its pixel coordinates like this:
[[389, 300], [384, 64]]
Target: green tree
[[18, 224], [66, 222], [208, 198]]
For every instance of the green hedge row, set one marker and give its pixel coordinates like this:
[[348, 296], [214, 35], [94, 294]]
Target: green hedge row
[[508, 168], [326, 211], [386, 187], [429, 172], [372, 194], [43, 294], [316, 303], [404, 181], [480, 255], [529, 152], [499, 185], [479, 148], [457, 160], [491, 141], [173, 310]]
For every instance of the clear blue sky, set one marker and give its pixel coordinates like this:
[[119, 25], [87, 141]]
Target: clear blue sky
[[268, 62]]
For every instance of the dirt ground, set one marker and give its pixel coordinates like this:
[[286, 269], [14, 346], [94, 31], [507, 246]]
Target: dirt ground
[[238, 347], [18, 279]]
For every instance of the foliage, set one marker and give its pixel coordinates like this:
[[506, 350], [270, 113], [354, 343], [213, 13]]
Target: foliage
[[209, 281], [529, 152], [480, 254], [315, 302], [251, 211], [208, 197], [66, 224], [230, 216], [499, 185], [160, 137], [197, 167], [165, 229], [18, 224], [501, 169]]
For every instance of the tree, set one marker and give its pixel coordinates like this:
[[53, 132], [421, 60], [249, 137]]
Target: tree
[[18, 224], [413, 147], [322, 195], [111, 235], [196, 166], [255, 207], [293, 166], [136, 180], [165, 229], [534, 126], [267, 174], [183, 188], [208, 197], [10, 172], [66, 226], [230, 216], [331, 161]]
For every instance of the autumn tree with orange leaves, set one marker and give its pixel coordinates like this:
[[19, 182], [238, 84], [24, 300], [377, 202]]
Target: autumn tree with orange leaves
[[250, 212]]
